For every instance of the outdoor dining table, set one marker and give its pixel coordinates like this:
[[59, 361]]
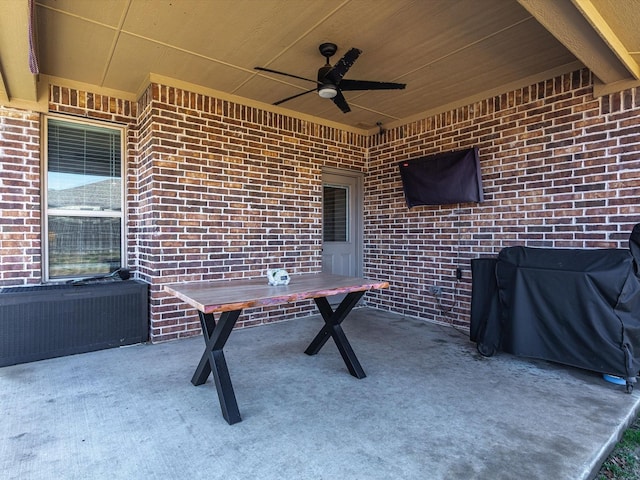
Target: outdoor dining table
[[229, 297]]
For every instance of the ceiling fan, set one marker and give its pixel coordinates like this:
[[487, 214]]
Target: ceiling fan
[[330, 82]]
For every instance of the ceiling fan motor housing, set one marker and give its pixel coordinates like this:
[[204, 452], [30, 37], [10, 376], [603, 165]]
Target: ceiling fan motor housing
[[326, 89]]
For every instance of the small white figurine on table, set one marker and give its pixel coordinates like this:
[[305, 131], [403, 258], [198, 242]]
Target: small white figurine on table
[[278, 276]]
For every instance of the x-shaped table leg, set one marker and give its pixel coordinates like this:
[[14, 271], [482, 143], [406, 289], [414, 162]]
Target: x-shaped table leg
[[213, 361], [332, 328]]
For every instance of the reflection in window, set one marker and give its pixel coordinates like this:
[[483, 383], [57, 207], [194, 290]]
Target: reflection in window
[[83, 245], [335, 214]]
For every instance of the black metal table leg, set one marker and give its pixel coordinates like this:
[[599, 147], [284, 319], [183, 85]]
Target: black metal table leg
[[332, 328], [213, 361]]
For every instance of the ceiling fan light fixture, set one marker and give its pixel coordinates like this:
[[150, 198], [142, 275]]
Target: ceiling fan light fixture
[[327, 91]]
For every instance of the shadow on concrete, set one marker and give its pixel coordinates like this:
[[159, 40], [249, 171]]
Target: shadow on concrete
[[430, 408]]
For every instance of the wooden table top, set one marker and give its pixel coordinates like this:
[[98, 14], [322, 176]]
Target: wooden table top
[[226, 295]]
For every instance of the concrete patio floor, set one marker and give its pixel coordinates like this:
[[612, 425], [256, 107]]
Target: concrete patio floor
[[430, 408]]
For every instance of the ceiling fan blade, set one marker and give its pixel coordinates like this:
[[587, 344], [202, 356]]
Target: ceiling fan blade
[[341, 102], [294, 96], [262, 69], [350, 85], [343, 65]]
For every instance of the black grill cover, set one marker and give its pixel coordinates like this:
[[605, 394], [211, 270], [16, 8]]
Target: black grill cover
[[576, 307]]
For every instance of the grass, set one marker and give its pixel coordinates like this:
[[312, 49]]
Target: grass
[[624, 461]]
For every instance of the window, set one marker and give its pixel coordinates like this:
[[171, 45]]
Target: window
[[83, 198]]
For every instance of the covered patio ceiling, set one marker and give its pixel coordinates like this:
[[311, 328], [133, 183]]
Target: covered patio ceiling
[[448, 52]]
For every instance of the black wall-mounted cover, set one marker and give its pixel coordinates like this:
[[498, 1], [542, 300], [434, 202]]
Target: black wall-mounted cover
[[442, 179]]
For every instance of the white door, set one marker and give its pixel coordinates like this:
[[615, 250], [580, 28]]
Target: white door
[[342, 223]]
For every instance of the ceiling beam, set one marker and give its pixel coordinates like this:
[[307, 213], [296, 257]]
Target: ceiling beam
[[17, 80], [608, 35], [4, 96], [574, 29]]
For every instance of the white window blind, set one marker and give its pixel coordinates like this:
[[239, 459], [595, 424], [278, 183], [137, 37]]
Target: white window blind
[[84, 166]]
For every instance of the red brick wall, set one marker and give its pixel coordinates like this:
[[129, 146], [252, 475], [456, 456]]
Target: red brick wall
[[222, 190], [229, 191], [19, 197], [560, 169]]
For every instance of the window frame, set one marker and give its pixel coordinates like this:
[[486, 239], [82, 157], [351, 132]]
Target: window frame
[[44, 191]]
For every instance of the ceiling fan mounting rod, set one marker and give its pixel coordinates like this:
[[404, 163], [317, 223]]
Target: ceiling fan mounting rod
[[328, 50]]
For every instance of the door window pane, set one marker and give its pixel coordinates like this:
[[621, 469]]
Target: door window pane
[[335, 213]]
